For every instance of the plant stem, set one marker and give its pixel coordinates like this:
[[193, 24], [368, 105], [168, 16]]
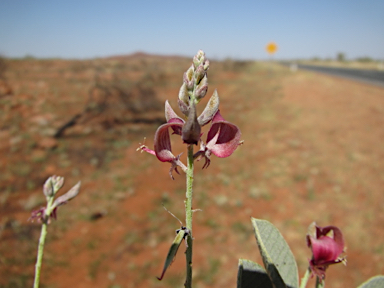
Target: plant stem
[[188, 216], [40, 250], [305, 279], [319, 283]]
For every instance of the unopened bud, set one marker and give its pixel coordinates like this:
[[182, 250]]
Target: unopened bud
[[201, 92], [48, 189], [188, 78], [58, 182], [199, 58], [52, 185], [199, 73], [201, 89], [184, 94], [206, 65]]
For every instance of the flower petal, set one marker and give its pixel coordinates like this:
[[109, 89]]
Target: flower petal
[[327, 245], [336, 235], [163, 149], [223, 137], [38, 214], [325, 250]]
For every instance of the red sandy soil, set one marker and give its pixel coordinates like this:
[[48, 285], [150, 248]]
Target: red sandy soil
[[312, 152]]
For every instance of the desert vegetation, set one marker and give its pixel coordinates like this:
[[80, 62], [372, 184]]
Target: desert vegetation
[[311, 153]]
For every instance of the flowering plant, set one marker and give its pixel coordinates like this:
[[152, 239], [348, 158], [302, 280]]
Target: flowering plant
[[44, 214], [222, 140]]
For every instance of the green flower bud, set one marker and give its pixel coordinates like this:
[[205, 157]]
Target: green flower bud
[[199, 73], [198, 58], [48, 189], [184, 94], [52, 185], [188, 78], [201, 89], [206, 65], [58, 182]]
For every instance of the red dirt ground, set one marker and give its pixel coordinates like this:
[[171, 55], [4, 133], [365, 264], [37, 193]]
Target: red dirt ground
[[313, 152]]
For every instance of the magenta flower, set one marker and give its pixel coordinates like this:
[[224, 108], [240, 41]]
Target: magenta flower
[[327, 244], [222, 139]]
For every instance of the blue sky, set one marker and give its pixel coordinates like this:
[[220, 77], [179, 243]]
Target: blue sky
[[87, 29]]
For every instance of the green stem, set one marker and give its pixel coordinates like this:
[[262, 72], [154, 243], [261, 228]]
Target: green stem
[[305, 279], [40, 250], [188, 216], [319, 283]]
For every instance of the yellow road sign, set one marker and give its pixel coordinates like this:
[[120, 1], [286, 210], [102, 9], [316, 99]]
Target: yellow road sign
[[271, 48]]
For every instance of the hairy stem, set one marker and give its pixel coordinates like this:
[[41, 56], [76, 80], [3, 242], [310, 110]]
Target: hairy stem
[[40, 250], [188, 215]]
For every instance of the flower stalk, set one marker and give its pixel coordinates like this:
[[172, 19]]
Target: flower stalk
[[305, 278], [43, 215], [223, 138], [188, 216], [40, 251]]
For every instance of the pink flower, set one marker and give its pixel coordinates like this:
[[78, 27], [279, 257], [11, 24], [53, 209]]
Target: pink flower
[[327, 244], [222, 139]]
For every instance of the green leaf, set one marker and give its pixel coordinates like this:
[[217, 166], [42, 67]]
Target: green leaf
[[252, 275], [173, 250], [374, 282], [278, 259]]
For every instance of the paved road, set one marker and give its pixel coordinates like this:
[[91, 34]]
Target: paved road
[[374, 77]]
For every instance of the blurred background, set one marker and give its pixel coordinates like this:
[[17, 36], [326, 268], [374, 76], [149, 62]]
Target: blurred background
[[82, 84], [90, 29]]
